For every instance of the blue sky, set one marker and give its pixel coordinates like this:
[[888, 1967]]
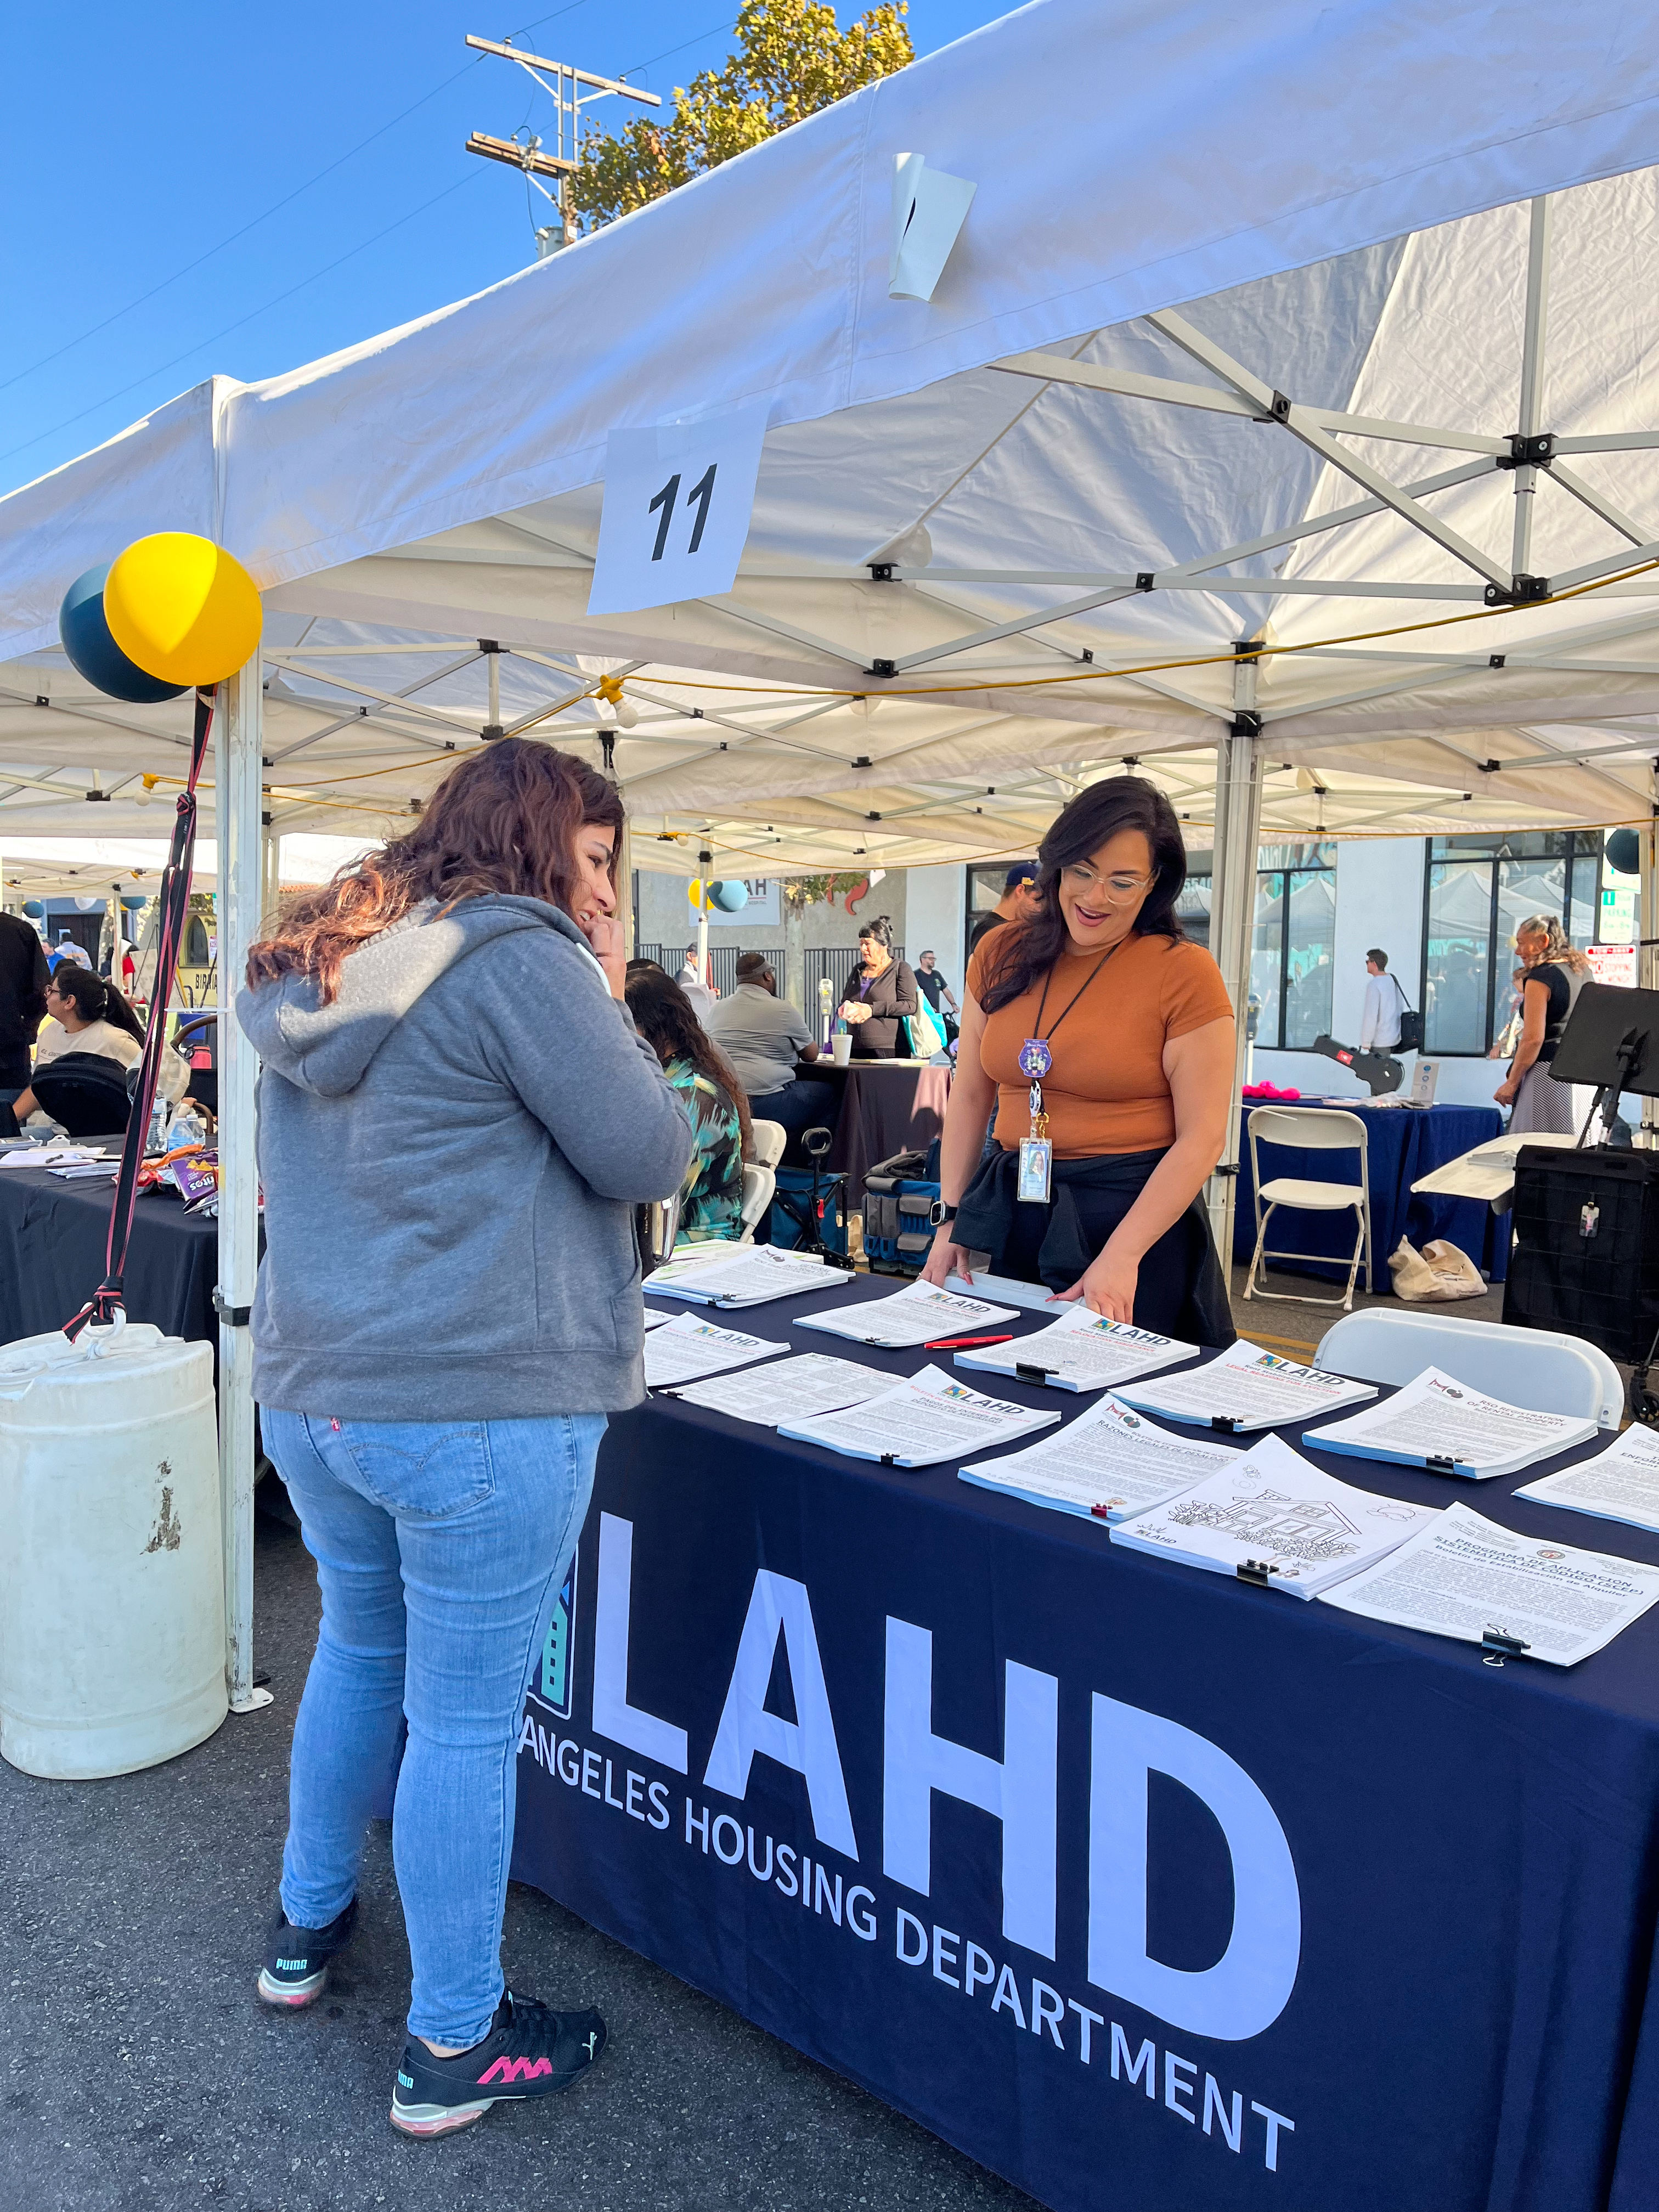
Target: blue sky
[[139, 141]]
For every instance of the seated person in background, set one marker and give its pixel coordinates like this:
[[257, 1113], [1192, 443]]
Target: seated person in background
[[763, 1036], [711, 1197], [85, 1014]]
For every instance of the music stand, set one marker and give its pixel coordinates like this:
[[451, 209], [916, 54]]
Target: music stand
[[1611, 1041]]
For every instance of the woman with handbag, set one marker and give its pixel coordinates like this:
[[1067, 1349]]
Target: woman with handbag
[[881, 992], [456, 1119], [1105, 1040]]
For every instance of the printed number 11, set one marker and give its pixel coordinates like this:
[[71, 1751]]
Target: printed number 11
[[699, 496]]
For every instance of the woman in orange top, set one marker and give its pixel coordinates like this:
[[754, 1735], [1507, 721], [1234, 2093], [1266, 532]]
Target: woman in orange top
[[1128, 1032]]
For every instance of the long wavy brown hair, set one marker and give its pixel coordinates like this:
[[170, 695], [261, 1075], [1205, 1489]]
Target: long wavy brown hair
[[505, 819]]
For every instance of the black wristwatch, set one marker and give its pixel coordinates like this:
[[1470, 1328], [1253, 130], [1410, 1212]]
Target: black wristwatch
[[939, 1214]]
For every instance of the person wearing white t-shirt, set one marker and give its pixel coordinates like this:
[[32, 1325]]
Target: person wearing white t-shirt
[[87, 1015], [691, 982], [1379, 1025]]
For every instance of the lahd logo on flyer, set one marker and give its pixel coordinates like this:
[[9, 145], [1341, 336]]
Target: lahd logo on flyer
[[1236, 1997]]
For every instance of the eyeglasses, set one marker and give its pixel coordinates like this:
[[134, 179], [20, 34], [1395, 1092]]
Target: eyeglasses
[[1081, 878]]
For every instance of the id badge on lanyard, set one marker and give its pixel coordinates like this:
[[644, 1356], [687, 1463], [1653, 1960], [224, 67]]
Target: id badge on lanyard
[[1034, 1182]]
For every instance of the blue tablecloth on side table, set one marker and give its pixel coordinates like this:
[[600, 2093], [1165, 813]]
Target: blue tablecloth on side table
[[1144, 1887], [1403, 1143]]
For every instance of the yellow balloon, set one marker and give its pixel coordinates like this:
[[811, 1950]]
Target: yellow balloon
[[182, 607]]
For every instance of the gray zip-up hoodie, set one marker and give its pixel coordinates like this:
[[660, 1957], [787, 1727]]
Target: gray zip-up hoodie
[[451, 1154]]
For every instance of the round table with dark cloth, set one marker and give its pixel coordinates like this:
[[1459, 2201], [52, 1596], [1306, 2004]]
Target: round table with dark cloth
[[1403, 1144], [887, 1106]]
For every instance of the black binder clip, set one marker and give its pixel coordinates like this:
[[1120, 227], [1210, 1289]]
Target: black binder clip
[[890, 1459], [1227, 1423], [1258, 1572], [1441, 1463], [1498, 1645], [1027, 1370]]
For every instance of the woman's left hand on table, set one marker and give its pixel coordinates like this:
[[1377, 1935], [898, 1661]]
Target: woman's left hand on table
[[1107, 1286]]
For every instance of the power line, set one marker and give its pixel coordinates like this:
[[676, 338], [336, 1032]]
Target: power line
[[109, 397], [69, 420], [275, 208]]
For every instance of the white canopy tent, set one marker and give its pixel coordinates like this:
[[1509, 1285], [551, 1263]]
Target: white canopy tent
[[1221, 277]]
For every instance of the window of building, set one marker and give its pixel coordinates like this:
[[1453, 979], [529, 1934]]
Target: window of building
[[1477, 890], [984, 888], [1293, 943]]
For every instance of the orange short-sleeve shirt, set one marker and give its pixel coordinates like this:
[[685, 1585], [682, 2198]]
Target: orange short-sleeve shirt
[[1107, 1090]]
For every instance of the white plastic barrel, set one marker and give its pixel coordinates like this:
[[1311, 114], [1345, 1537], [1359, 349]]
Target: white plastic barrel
[[111, 1581]]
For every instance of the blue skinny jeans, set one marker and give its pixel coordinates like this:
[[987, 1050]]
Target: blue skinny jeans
[[439, 1548]]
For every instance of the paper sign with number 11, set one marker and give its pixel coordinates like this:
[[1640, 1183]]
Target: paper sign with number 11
[[678, 500]]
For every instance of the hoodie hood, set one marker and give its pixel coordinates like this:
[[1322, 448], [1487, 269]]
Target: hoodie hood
[[326, 1050]]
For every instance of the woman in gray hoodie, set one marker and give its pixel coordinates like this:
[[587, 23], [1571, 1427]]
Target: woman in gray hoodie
[[456, 1119]]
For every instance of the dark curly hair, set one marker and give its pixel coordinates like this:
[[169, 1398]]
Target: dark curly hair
[[1020, 951], [668, 1022]]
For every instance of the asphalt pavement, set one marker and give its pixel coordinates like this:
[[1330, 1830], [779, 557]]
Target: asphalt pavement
[[142, 2074]]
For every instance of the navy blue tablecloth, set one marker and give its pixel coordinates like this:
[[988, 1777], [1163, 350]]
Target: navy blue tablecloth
[[758, 1637], [1403, 1143]]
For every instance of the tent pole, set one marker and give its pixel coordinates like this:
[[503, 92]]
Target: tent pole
[[705, 862], [1647, 930], [1237, 831], [239, 833], [1532, 377]]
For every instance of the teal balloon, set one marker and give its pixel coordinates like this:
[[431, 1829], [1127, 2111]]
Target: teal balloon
[[730, 898], [1625, 852], [94, 654], [135, 905], [35, 909]]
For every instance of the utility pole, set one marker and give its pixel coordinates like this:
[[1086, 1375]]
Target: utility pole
[[562, 83]]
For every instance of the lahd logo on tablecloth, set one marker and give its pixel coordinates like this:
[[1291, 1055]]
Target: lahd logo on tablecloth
[[1238, 1996], [555, 1676]]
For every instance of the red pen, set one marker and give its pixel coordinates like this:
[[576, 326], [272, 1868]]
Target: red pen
[[961, 1343]]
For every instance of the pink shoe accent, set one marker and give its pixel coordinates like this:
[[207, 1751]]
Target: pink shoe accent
[[515, 2069]]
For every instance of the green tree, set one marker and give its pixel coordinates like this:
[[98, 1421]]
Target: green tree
[[793, 59]]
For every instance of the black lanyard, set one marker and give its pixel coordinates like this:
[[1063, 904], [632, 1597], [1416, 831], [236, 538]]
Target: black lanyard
[[1072, 1001]]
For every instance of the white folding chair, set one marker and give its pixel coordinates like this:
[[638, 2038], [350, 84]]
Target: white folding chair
[[1536, 1368], [1313, 1129], [760, 1177]]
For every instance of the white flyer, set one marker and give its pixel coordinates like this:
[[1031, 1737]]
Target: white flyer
[[743, 1275], [1273, 1517], [1246, 1387], [794, 1389], [1436, 1422], [1081, 1351], [687, 1347], [1468, 1578], [915, 1314], [655, 1319], [1620, 1484], [917, 1423], [1108, 1463]]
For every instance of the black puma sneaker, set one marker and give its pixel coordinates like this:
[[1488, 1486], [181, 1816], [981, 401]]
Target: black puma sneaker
[[529, 2052], [296, 1959]]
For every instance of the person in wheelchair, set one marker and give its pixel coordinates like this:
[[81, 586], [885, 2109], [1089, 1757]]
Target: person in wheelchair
[[88, 1019]]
